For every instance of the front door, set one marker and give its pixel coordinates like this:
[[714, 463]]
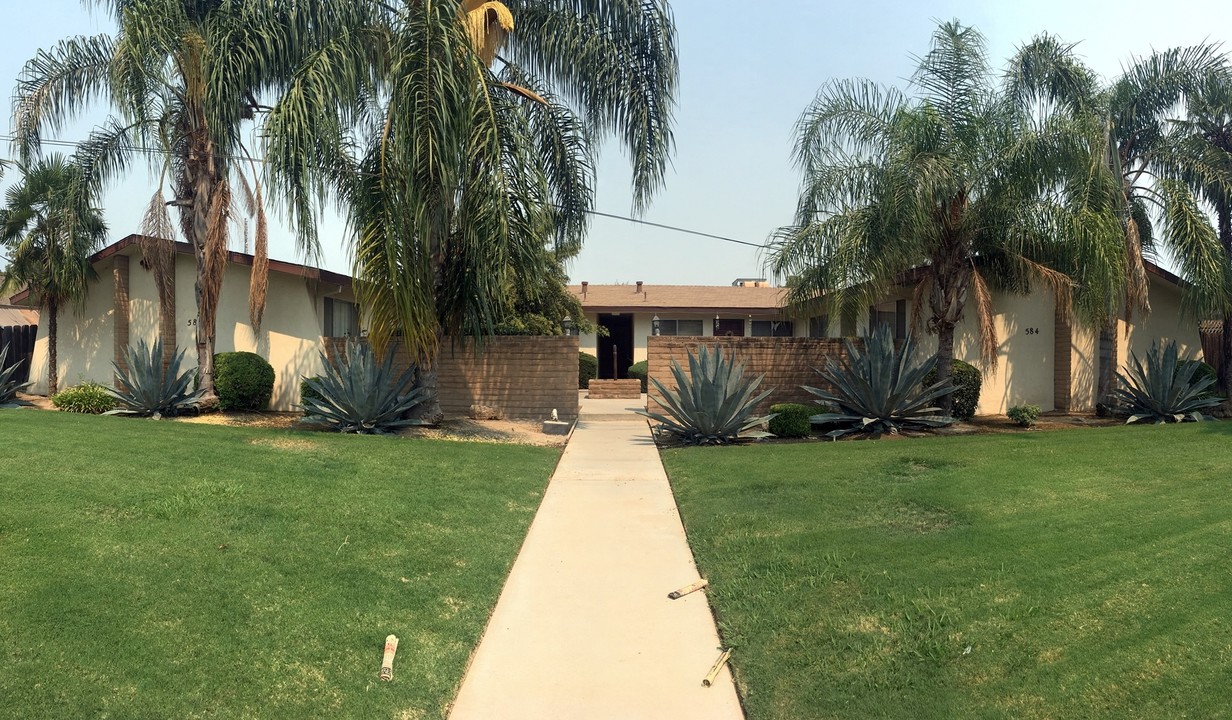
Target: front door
[[615, 365]]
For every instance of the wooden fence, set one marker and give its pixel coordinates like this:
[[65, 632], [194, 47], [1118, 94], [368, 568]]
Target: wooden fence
[[19, 339]]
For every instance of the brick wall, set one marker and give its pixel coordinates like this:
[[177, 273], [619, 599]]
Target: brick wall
[[615, 389], [119, 318], [786, 362], [1062, 361], [522, 377]]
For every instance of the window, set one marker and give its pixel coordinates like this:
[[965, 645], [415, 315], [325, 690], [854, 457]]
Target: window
[[680, 327], [773, 328], [892, 314], [341, 318], [819, 326]]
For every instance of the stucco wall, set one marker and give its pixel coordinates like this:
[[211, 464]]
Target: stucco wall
[[290, 336], [84, 346], [1166, 322]]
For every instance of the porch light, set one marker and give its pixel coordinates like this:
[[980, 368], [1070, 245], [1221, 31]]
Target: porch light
[[567, 323], [654, 324]]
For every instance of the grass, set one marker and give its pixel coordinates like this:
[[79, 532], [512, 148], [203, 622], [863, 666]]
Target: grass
[[1079, 574], [159, 569]]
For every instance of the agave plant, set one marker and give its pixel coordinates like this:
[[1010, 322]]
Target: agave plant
[[880, 390], [714, 403], [1167, 389], [358, 394], [9, 387], [149, 390]]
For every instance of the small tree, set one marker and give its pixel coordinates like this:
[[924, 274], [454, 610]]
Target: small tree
[[50, 230]]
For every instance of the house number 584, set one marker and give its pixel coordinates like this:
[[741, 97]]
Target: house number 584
[[1032, 331]]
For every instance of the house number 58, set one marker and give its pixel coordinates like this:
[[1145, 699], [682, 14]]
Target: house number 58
[[192, 322]]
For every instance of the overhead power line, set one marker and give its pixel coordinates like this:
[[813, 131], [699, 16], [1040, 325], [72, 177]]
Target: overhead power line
[[596, 213]]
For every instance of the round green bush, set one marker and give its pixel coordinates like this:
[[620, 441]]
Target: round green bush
[[243, 381], [967, 382], [89, 397], [588, 369], [640, 370], [792, 419], [1024, 415]]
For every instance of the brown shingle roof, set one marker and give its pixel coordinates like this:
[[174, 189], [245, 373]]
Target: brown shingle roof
[[654, 298]]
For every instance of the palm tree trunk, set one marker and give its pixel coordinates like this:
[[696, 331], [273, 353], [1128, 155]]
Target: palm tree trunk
[[945, 363], [1107, 363], [427, 378], [53, 326], [1224, 217]]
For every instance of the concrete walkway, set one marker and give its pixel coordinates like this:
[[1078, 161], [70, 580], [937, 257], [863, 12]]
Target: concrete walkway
[[583, 627]]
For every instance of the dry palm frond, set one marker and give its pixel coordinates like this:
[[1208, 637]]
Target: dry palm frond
[[988, 326], [214, 260], [1061, 285], [917, 298], [524, 92], [1136, 285], [259, 280], [489, 24], [158, 250]]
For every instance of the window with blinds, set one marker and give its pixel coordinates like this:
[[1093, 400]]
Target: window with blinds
[[692, 328], [341, 318], [773, 328]]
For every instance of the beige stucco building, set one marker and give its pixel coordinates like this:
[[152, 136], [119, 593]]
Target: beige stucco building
[[303, 305], [1042, 358]]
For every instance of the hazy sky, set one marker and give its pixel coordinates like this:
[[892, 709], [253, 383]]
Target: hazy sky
[[747, 72]]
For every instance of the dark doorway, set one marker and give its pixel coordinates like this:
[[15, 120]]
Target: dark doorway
[[620, 337], [729, 328]]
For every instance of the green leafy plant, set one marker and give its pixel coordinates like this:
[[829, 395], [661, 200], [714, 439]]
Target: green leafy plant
[[967, 383], [1024, 415], [9, 387], [243, 381], [791, 420], [1166, 389], [307, 392], [588, 369], [714, 403], [89, 397], [359, 394], [880, 390], [148, 390], [640, 370]]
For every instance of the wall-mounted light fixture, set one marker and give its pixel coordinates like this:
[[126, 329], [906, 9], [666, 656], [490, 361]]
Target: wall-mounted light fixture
[[567, 323], [654, 325]]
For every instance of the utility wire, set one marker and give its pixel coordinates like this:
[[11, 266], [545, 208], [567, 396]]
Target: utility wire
[[596, 213]]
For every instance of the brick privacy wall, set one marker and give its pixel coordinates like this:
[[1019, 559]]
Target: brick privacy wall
[[615, 389], [786, 362], [1062, 362], [119, 316], [522, 377]]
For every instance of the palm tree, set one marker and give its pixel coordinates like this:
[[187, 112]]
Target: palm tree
[[466, 164], [50, 229], [184, 79], [1156, 175], [1200, 154], [955, 187]]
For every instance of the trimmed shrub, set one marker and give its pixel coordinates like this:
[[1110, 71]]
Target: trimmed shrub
[[243, 381], [792, 419], [588, 369], [640, 370], [308, 391], [1024, 415], [88, 397], [1201, 372], [967, 383]]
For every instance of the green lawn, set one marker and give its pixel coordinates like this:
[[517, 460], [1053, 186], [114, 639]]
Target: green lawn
[[1088, 571], [158, 569]]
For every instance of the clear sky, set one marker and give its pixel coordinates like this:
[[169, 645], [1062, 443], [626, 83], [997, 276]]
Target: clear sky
[[747, 72]]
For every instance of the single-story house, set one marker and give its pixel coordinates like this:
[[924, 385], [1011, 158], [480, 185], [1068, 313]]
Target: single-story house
[[304, 304], [1042, 359]]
